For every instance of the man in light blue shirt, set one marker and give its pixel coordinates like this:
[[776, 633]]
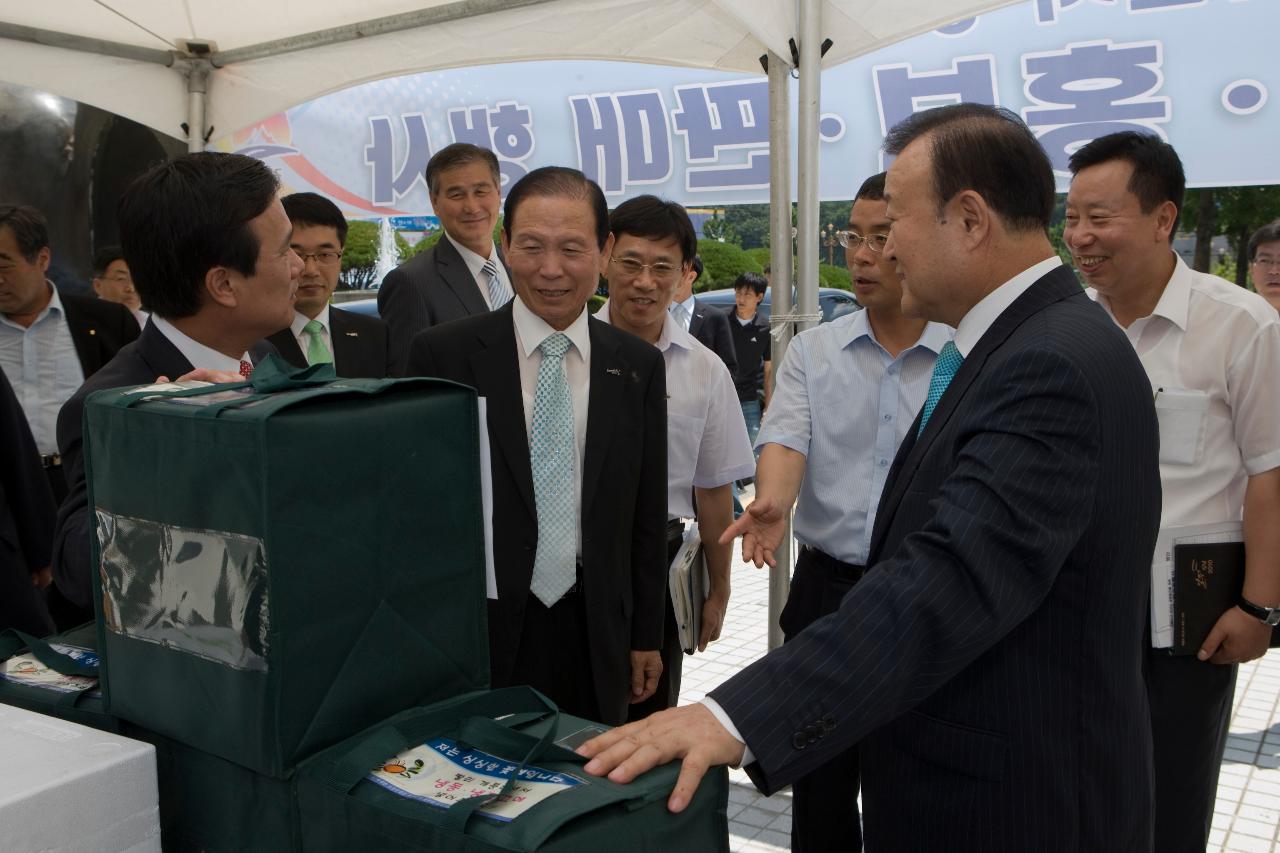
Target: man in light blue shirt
[[844, 396]]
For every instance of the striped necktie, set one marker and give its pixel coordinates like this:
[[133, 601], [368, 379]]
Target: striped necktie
[[944, 370], [499, 293]]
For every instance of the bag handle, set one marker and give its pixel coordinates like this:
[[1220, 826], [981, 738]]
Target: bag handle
[[13, 641], [271, 375]]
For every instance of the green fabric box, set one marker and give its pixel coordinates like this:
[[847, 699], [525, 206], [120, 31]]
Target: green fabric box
[[286, 562], [85, 707], [474, 742]]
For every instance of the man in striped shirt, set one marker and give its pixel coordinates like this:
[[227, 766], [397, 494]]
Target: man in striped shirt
[[844, 396]]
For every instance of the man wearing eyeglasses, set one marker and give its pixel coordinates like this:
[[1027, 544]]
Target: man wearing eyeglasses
[[1264, 262], [707, 445], [112, 282], [356, 345], [844, 396]]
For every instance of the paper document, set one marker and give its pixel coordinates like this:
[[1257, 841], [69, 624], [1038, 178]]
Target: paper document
[[689, 587], [1162, 582], [25, 669]]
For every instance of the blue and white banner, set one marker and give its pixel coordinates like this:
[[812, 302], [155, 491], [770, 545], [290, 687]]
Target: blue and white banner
[[1197, 72]]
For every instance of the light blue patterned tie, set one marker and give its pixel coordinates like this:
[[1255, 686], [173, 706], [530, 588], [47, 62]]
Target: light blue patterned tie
[[499, 293], [682, 315], [551, 450], [944, 369]]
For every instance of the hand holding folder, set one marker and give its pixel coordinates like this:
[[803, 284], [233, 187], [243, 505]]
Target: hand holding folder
[[689, 585]]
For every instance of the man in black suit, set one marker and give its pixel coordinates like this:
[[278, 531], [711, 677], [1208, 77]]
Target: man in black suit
[[709, 326], [577, 428], [207, 242], [356, 345], [26, 523], [989, 664], [461, 275], [71, 336]]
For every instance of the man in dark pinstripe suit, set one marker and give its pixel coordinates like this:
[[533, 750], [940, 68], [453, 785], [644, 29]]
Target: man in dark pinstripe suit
[[989, 665]]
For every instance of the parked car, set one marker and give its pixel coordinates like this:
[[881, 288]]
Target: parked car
[[832, 302]]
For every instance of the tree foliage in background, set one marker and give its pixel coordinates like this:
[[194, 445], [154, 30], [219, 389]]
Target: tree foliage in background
[[360, 256], [1236, 212], [722, 263]]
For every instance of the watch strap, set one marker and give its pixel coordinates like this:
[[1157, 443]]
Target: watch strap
[[1269, 615]]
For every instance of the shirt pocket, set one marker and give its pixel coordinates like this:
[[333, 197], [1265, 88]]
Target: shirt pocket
[[1182, 414]]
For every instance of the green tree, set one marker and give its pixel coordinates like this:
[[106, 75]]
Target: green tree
[[360, 255], [1237, 213], [722, 263], [833, 276], [747, 224]]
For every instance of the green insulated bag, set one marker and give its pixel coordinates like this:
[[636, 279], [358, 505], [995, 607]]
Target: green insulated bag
[[287, 561], [490, 772], [57, 676]]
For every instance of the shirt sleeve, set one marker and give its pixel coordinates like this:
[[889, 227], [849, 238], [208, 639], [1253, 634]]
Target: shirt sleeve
[[1253, 378], [724, 453], [723, 719], [788, 421]]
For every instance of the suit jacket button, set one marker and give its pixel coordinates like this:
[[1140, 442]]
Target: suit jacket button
[[828, 723], [799, 741]]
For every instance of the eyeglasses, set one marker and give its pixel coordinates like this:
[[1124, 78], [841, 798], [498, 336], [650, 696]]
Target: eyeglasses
[[323, 258], [119, 279], [660, 271], [1267, 263], [853, 240]]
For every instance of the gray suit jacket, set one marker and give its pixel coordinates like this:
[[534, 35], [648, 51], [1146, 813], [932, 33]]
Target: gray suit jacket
[[432, 288]]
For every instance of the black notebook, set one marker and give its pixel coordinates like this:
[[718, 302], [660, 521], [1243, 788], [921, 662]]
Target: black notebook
[[1207, 580]]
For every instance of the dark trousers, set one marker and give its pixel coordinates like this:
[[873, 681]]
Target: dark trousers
[[1190, 713], [65, 615], [554, 656], [824, 804], [57, 482], [668, 693]]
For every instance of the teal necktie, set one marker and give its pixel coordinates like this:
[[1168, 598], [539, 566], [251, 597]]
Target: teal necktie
[[317, 352], [552, 446], [944, 370]]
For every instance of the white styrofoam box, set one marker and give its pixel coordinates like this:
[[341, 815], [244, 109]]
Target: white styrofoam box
[[67, 788]]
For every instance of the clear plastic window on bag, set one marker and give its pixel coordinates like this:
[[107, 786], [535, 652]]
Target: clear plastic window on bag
[[203, 592]]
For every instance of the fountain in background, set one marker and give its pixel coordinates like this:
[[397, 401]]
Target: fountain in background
[[388, 255]]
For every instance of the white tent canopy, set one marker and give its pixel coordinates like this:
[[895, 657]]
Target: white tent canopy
[[130, 56]]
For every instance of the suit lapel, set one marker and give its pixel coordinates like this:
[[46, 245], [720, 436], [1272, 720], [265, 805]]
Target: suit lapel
[[84, 335], [287, 345], [1057, 284], [160, 355], [496, 367], [608, 373], [347, 352], [454, 272]]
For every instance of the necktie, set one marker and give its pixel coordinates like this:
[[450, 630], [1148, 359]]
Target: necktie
[[246, 369], [317, 352], [944, 369], [682, 315], [499, 293], [551, 451]]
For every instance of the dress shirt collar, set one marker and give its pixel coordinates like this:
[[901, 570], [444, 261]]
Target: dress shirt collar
[[1175, 300], [686, 305], [532, 330], [55, 304], [301, 320], [980, 317], [933, 338], [475, 262], [195, 352], [672, 332]]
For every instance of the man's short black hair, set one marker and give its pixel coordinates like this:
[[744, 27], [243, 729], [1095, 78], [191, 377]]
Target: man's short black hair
[[1157, 170], [988, 150], [872, 188], [180, 219], [29, 227], [561, 182], [753, 281], [1269, 233], [696, 266], [460, 154], [315, 209], [105, 257], [655, 219]]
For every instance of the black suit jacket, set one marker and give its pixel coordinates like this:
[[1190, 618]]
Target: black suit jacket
[[989, 665], [624, 488], [710, 326], [26, 520], [431, 288], [98, 328], [361, 348], [140, 363]]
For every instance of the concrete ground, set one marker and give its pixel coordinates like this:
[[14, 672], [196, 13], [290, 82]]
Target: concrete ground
[[1247, 817]]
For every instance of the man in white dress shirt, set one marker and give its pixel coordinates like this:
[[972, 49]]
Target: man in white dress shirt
[[1212, 352], [707, 445]]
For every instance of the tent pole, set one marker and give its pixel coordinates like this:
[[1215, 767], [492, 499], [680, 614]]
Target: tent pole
[[780, 275], [807, 223], [197, 74]]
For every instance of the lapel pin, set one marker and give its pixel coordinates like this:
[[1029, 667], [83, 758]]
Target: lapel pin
[[93, 331], [352, 334], [613, 371]]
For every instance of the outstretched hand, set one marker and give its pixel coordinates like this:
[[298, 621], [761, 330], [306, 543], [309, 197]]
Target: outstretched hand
[[761, 527], [690, 733]]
